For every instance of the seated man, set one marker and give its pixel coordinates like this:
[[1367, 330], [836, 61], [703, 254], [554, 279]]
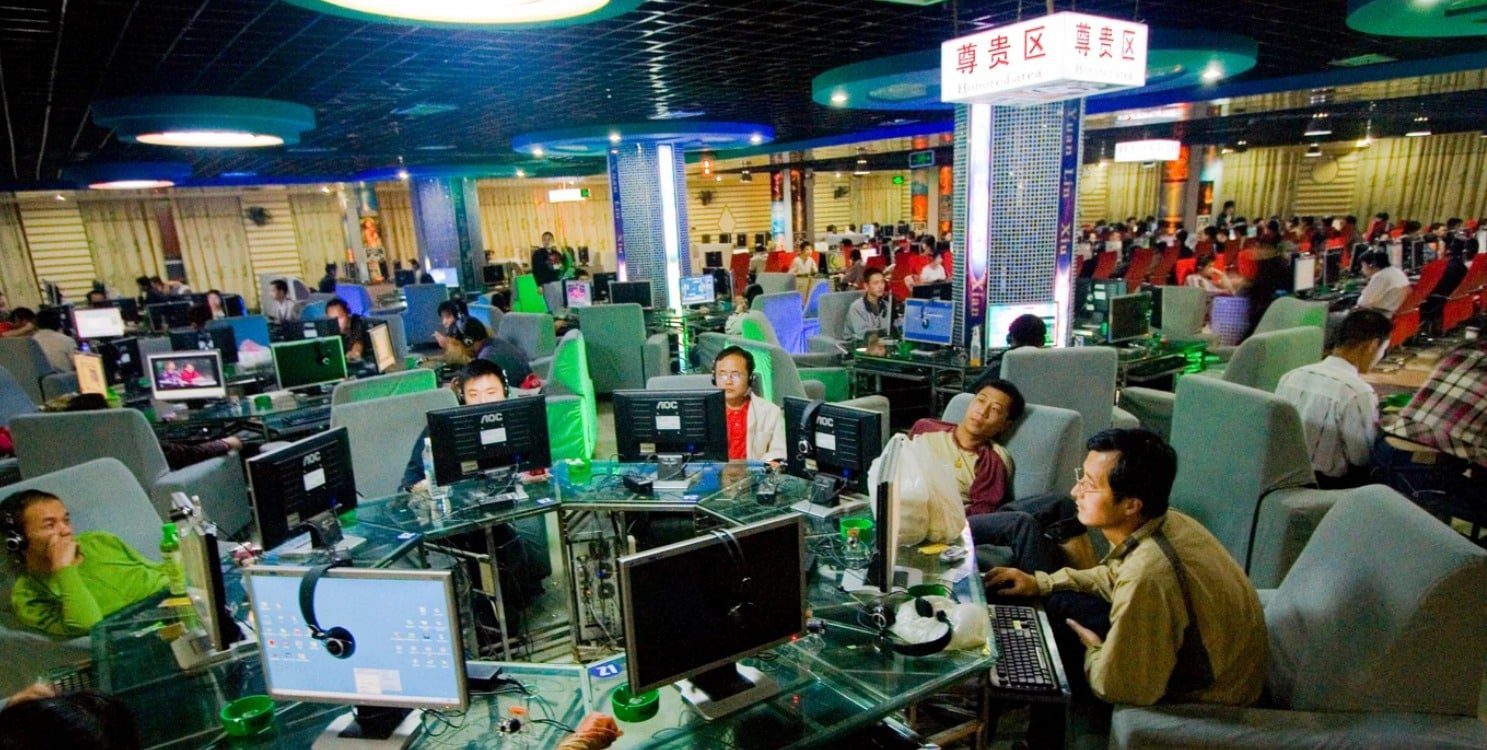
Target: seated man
[[469, 341], [480, 382], [1167, 616], [66, 584], [756, 427], [1035, 527], [279, 308], [22, 322], [871, 312], [451, 313], [1339, 410], [57, 346], [352, 327], [1387, 286], [1025, 330]]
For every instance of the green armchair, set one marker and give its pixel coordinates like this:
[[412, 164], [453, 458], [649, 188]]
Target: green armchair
[[572, 410]]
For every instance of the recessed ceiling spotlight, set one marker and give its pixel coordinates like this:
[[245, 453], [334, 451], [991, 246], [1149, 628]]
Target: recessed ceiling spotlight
[[1419, 127], [325, 189], [839, 98], [1212, 73], [402, 174], [538, 152], [521, 173], [614, 137], [756, 139], [61, 197]]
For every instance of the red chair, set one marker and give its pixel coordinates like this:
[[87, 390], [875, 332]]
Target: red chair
[[1185, 267], [1105, 264], [779, 262], [739, 264], [877, 261], [1141, 261], [1162, 271], [1462, 302], [1231, 253], [1407, 317]]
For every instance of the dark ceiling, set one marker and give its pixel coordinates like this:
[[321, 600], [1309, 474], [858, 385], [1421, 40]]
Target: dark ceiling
[[749, 60]]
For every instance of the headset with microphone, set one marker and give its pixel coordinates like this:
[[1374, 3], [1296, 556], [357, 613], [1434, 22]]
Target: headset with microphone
[[889, 643], [338, 641], [806, 445], [15, 538], [741, 607]]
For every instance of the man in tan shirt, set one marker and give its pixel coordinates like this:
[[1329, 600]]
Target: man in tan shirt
[[1167, 615]]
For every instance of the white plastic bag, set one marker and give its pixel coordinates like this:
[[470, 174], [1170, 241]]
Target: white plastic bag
[[928, 499], [969, 623]]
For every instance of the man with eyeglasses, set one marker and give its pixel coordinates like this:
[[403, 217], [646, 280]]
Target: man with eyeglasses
[[1033, 527], [756, 427], [1167, 616]]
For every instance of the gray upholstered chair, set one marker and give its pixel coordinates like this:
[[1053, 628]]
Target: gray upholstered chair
[[489, 315], [1378, 638], [100, 494], [621, 355], [382, 433], [774, 283], [1286, 312], [1184, 311], [383, 386], [1081, 378], [833, 316], [14, 400], [531, 332], [55, 441], [1046, 446], [22, 356]]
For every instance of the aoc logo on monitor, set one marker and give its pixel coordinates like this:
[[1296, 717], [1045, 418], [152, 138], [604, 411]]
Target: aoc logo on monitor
[[666, 406], [493, 419], [311, 459], [826, 422]]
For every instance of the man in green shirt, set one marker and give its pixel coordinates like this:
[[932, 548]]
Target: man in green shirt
[[66, 583]]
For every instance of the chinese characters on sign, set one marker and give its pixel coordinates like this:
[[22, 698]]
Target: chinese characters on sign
[[1063, 56]]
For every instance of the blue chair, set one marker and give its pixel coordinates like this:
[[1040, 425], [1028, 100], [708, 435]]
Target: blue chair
[[358, 299], [786, 315], [488, 314], [421, 318], [818, 289]]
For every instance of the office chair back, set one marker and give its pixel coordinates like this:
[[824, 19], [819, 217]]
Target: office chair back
[[1078, 378], [1045, 445], [421, 317], [14, 401], [382, 433]]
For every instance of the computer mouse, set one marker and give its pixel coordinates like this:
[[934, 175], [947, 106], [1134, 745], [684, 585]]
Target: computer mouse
[[953, 554]]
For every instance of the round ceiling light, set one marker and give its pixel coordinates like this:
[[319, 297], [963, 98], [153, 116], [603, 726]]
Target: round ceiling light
[[465, 13], [209, 139], [131, 184], [204, 121], [144, 175]]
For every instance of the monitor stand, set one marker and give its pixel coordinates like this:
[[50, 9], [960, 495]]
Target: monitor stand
[[671, 473], [366, 727], [724, 690]]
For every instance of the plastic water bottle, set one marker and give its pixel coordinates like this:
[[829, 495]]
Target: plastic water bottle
[[435, 491], [170, 560]]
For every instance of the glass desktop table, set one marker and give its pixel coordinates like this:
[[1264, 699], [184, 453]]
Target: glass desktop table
[[283, 416]]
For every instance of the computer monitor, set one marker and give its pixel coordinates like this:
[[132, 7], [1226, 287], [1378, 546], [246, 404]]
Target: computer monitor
[[842, 441], [999, 320], [234, 305], [869, 229], [493, 274], [206, 588], [1127, 319], [121, 361], [396, 639], [97, 322], [1303, 272], [578, 293], [383, 353], [638, 292], [91, 377], [313, 362], [449, 277], [698, 290], [601, 285], [301, 481], [933, 290], [685, 422], [478, 439], [128, 307], [713, 258], [403, 277], [187, 376], [693, 609], [211, 339], [311, 329], [246, 328], [166, 315], [928, 321]]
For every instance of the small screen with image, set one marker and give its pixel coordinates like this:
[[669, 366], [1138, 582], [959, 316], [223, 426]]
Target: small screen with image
[[186, 376]]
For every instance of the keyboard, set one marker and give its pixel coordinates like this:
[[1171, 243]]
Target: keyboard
[[1024, 664], [307, 416], [1161, 365], [69, 680]]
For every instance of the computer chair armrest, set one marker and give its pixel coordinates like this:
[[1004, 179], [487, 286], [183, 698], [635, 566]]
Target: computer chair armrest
[[1150, 407], [656, 356], [220, 484], [541, 366]]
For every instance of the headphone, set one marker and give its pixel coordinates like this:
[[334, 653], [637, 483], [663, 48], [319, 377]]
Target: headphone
[[888, 643], [805, 446], [738, 351], [15, 538], [338, 641], [741, 609]]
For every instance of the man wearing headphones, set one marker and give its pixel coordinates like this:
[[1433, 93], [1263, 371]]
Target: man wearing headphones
[[480, 382], [65, 584], [756, 427], [871, 313], [469, 340]]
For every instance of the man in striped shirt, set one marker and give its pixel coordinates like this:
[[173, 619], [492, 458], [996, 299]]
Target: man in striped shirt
[[1339, 410]]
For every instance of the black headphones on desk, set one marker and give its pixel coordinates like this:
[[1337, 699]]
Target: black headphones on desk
[[338, 640], [741, 609], [888, 643]]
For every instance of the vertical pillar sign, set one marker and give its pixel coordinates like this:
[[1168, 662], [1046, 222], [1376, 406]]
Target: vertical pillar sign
[[1062, 56], [615, 203], [1068, 198]]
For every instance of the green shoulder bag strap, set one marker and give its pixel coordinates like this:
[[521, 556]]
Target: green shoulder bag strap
[[1194, 670]]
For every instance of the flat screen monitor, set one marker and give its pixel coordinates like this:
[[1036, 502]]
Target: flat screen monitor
[[869, 229], [1128, 319], [206, 588], [933, 290], [128, 307], [471, 440], [91, 377], [1303, 272], [97, 322], [493, 274], [638, 292], [311, 329], [449, 277], [300, 481], [167, 315], [698, 290], [601, 286], [299, 364], [928, 321], [212, 339], [403, 624], [578, 293], [739, 595], [403, 277], [383, 353], [999, 320], [187, 376], [688, 422], [713, 258], [246, 328], [843, 441]]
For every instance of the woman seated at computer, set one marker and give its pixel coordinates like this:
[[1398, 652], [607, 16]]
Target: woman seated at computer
[[215, 305], [66, 583], [352, 327]]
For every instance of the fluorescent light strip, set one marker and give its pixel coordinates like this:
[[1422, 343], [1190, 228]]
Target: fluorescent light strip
[[670, 235], [978, 203], [210, 139]]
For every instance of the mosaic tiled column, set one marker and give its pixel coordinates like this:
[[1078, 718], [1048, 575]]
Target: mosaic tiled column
[[648, 187], [1016, 171], [446, 220]]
